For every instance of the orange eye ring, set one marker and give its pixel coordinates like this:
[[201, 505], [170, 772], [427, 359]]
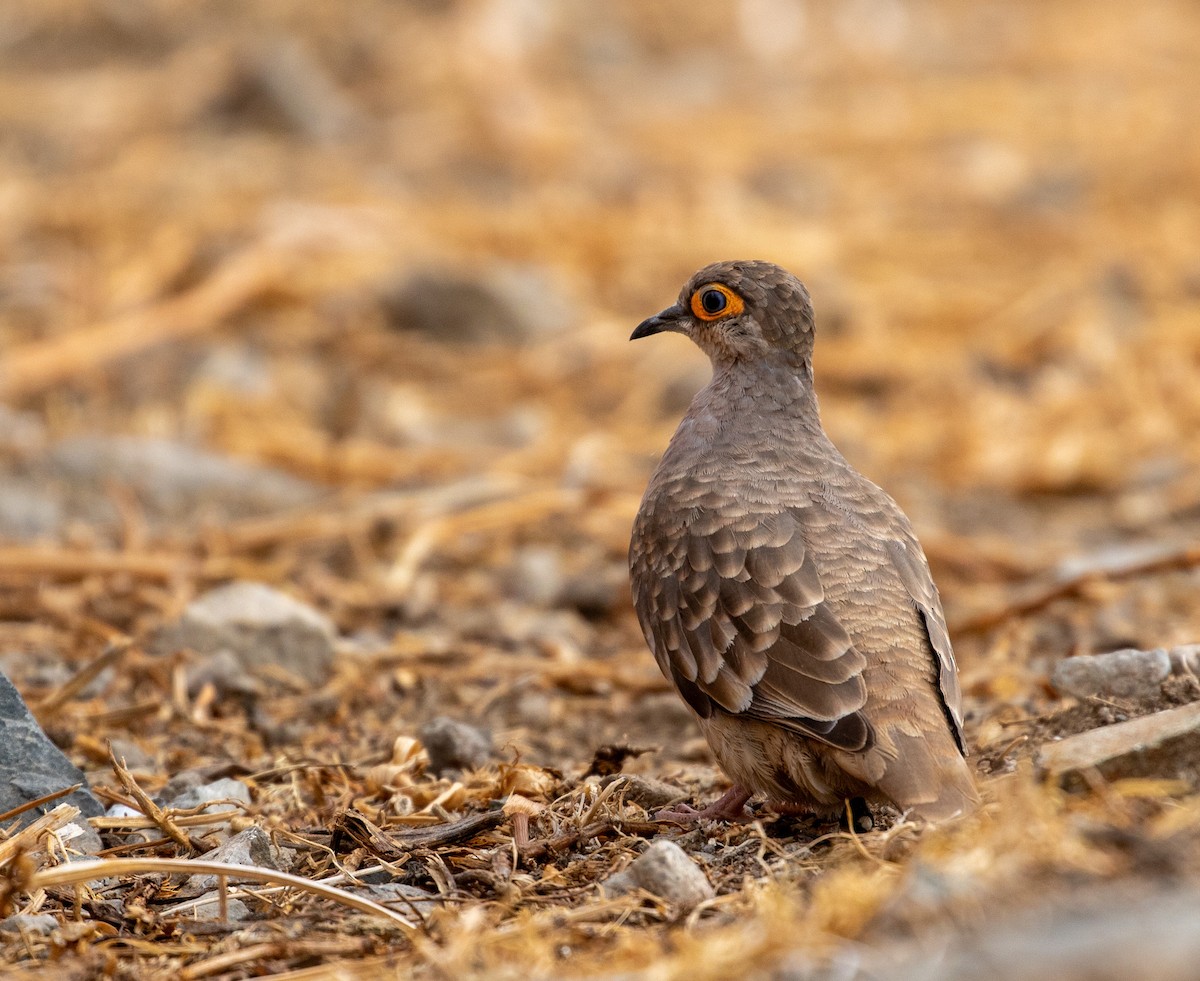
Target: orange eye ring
[[714, 301]]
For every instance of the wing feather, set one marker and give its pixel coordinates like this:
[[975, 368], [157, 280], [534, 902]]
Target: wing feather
[[913, 567], [739, 623]]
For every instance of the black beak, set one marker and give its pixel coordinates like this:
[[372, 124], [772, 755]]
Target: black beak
[[668, 319]]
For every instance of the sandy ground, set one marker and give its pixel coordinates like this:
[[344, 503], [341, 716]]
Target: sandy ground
[[382, 260]]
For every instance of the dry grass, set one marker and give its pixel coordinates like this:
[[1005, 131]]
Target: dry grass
[[996, 208]]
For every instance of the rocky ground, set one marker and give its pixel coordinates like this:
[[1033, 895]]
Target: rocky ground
[[320, 441]]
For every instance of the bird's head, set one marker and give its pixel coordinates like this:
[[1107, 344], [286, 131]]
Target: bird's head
[[741, 311]]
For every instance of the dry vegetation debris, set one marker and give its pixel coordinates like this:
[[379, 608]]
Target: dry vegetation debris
[[333, 298]]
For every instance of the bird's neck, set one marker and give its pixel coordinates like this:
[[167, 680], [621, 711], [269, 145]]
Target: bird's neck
[[781, 392], [751, 417]]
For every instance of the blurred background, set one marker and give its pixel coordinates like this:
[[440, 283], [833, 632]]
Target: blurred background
[[402, 245], [337, 297]]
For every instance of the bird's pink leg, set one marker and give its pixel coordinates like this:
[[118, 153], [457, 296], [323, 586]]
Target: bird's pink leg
[[731, 807]]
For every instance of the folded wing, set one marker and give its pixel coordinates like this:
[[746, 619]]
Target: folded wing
[[736, 615]]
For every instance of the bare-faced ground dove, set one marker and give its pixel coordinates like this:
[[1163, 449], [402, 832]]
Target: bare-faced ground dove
[[783, 594]]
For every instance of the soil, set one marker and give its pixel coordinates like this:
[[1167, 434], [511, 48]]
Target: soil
[[336, 298]]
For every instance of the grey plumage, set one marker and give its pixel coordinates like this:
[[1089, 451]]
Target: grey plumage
[[783, 594]]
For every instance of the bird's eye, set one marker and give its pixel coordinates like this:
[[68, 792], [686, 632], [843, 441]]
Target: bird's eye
[[714, 301]]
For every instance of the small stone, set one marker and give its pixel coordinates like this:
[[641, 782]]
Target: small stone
[[81, 838], [1123, 674], [208, 907], [184, 780], [525, 706], [664, 870], [453, 745], [504, 303], [647, 792], [537, 575], [225, 673], [600, 592], [1107, 743], [31, 766], [260, 626], [252, 846], [279, 85], [399, 896], [130, 754], [224, 789], [174, 480], [123, 811], [42, 923]]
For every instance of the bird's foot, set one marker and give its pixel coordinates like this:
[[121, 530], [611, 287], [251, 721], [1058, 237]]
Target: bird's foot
[[854, 815], [731, 807], [858, 817]]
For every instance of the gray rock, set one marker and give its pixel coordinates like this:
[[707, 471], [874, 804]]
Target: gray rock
[[122, 811], [280, 85], [1124, 674], [1108, 743], [537, 575], [42, 923], [130, 754], [208, 907], [599, 592], [250, 847], [224, 789], [664, 870], [651, 794], [454, 745], [177, 480], [225, 673], [260, 626], [31, 766], [505, 303], [399, 896], [82, 840]]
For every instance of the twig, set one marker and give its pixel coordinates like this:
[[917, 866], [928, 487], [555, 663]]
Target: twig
[[1038, 598], [279, 771], [601, 797], [87, 871], [534, 505], [39, 365], [271, 949], [568, 838], [364, 834], [345, 970], [161, 818], [67, 563], [29, 837], [344, 519], [44, 799], [137, 822], [45, 709]]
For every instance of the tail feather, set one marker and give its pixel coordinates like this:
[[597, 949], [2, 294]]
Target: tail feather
[[929, 778]]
